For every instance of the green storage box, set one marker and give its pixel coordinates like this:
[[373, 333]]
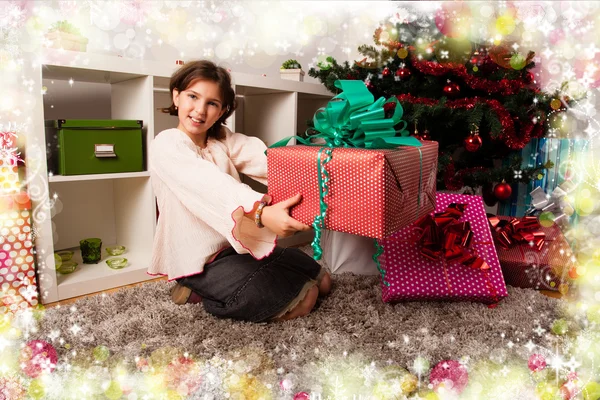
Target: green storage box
[[78, 146]]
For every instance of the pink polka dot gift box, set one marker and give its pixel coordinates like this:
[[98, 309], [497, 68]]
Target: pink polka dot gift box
[[18, 283], [371, 192], [446, 256]]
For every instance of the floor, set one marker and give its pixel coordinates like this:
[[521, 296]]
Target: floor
[[74, 299]]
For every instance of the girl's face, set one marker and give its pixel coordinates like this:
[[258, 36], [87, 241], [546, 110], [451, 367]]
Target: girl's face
[[199, 107]]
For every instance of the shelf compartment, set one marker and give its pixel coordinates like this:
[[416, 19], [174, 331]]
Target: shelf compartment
[[92, 278], [116, 210]]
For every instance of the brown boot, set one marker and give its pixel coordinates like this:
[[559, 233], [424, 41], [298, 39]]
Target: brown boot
[[184, 295]]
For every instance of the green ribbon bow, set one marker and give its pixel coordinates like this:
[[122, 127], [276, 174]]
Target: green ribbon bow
[[352, 119]]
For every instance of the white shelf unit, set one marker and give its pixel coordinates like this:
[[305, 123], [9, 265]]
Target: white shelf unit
[[120, 208]]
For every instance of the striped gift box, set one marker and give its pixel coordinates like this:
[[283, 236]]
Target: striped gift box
[[371, 193], [566, 154]]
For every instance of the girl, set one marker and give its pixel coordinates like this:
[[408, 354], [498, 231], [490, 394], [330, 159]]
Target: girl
[[215, 235]]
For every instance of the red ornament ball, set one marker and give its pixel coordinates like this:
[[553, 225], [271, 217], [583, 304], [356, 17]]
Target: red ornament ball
[[386, 72], [536, 362], [473, 143], [38, 357], [452, 89], [301, 396], [403, 73], [424, 136], [502, 191], [449, 374], [529, 77], [487, 192]]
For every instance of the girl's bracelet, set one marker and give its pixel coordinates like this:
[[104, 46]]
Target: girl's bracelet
[[258, 214]]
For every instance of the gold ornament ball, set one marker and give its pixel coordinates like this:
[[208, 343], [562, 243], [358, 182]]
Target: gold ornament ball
[[475, 68], [409, 384], [402, 53], [555, 104], [540, 176]]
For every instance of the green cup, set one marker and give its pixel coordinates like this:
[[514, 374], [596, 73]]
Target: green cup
[[91, 250]]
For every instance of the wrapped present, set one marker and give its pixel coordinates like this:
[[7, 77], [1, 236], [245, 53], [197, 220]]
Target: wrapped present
[[532, 255], [565, 155], [362, 178], [371, 193], [17, 265], [446, 256]]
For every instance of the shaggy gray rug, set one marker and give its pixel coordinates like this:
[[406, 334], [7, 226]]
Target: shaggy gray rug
[[351, 320]]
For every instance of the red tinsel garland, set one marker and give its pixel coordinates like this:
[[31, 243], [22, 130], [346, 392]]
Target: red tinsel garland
[[504, 86], [508, 134]]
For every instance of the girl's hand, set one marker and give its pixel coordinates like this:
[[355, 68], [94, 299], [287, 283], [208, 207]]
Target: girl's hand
[[277, 217]]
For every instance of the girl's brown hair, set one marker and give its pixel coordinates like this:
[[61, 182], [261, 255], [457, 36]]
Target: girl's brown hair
[[185, 76]]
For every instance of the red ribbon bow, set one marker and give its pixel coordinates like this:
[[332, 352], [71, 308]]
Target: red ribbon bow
[[514, 231], [444, 238]]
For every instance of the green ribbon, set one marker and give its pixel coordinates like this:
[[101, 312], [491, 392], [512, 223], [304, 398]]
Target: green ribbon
[[352, 119], [378, 252], [319, 221]]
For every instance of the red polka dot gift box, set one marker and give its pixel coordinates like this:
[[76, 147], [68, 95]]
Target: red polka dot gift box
[[370, 192], [17, 266], [532, 255], [449, 255]]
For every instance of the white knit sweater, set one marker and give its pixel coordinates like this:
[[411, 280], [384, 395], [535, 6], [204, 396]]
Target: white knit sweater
[[202, 200]]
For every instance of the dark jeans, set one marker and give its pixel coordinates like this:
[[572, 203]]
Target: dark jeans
[[238, 286]]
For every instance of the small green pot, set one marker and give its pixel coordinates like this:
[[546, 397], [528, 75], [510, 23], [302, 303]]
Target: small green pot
[[91, 250]]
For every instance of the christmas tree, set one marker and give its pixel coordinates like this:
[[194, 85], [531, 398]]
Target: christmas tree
[[478, 100]]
